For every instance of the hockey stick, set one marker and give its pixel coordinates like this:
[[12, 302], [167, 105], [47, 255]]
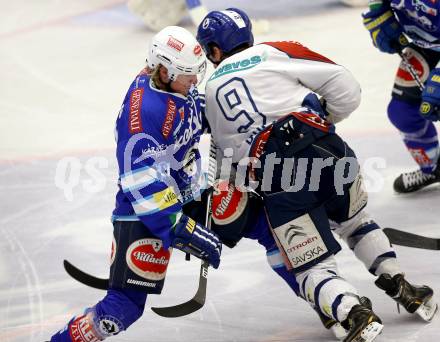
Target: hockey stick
[[402, 238], [85, 278], [196, 302], [414, 74], [199, 298], [411, 70]]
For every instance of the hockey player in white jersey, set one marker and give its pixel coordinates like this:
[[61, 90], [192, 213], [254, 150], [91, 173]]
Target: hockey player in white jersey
[[263, 109]]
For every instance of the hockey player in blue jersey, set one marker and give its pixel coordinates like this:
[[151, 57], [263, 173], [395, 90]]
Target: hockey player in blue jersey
[[157, 134], [264, 113], [411, 110]]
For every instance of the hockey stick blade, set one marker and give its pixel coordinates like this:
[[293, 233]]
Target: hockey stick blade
[[193, 304], [402, 238], [199, 298], [85, 278]]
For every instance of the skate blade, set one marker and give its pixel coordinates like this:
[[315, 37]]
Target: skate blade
[[427, 310], [370, 332]]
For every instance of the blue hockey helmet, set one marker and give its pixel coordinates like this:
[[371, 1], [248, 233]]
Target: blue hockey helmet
[[227, 29]]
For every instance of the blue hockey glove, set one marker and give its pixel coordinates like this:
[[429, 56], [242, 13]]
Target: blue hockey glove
[[385, 30], [430, 106], [312, 102], [191, 237]]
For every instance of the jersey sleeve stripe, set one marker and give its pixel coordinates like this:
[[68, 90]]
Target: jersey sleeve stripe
[[296, 50], [138, 179], [136, 171], [156, 202], [138, 186]]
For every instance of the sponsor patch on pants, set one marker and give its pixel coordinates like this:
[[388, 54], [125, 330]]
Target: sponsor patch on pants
[[301, 241], [148, 259]]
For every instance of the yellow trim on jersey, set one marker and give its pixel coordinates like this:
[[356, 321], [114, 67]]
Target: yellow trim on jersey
[[155, 202]]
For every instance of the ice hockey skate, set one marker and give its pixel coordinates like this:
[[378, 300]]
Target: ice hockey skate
[[415, 299], [362, 323], [415, 180]]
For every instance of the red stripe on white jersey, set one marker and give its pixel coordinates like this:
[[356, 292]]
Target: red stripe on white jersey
[[296, 50]]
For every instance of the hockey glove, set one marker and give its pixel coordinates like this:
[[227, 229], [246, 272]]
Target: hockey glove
[[385, 30], [430, 106], [315, 105], [191, 237]]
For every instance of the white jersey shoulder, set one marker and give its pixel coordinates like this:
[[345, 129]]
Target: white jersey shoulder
[[259, 85]]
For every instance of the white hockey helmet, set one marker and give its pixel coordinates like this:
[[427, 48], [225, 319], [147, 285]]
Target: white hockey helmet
[[178, 50]]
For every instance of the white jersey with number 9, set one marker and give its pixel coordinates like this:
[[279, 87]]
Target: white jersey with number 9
[[255, 87]]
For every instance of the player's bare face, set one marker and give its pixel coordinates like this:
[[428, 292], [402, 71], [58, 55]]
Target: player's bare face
[[183, 83]]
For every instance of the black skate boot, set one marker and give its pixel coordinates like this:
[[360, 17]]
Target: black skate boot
[[416, 180], [415, 299], [362, 323]]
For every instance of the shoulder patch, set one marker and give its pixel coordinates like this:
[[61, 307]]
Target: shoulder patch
[[135, 120], [169, 118], [296, 50]]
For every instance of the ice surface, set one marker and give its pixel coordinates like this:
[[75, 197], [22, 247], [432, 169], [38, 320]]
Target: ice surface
[[65, 67]]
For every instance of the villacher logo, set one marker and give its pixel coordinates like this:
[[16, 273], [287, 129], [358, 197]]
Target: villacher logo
[[148, 259]]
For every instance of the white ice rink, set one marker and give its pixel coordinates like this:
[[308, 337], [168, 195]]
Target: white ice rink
[[64, 69]]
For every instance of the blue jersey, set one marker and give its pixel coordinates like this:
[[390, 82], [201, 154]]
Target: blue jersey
[[420, 19], [157, 134]]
